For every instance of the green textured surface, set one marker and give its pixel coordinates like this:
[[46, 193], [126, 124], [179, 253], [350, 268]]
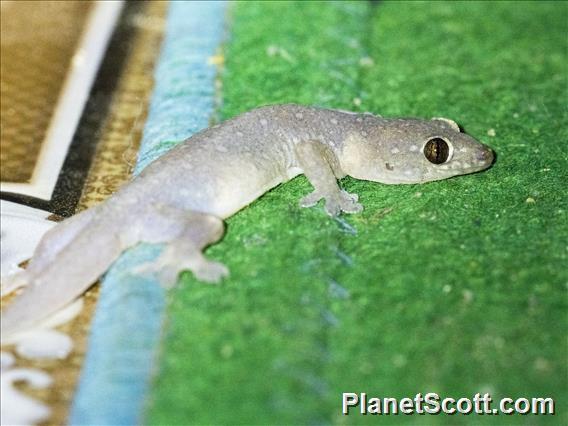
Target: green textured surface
[[453, 287]]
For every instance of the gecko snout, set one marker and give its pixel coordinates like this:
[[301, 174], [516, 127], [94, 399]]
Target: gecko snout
[[485, 155]]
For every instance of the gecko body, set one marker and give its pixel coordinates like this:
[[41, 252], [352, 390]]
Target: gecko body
[[182, 198]]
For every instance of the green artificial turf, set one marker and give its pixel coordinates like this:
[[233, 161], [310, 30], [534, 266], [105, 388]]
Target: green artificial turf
[[455, 287]]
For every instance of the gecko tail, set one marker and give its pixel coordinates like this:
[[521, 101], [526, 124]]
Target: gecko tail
[[52, 242], [88, 251]]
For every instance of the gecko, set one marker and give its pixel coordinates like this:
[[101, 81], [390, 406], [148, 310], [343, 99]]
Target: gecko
[[182, 198]]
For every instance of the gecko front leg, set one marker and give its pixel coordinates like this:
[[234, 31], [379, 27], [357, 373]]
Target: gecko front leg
[[321, 167]]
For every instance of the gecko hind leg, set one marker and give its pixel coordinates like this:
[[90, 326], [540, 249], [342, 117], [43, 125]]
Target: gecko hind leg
[[185, 251]]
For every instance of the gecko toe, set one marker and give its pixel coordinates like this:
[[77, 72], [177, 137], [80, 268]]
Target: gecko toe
[[211, 272], [332, 207], [348, 202], [352, 208], [168, 276], [349, 195], [310, 200]]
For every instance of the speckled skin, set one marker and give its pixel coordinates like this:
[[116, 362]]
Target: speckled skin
[[222, 169], [182, 198]]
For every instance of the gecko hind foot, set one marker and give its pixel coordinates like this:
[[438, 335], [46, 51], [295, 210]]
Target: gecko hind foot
[[183, 251]]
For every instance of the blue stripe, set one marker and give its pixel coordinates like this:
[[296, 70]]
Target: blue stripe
[[126, 329]]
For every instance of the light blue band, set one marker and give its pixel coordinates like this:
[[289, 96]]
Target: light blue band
[[126, 329]]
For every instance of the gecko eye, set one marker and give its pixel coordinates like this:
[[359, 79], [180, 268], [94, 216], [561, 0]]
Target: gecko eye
[[437, 151]]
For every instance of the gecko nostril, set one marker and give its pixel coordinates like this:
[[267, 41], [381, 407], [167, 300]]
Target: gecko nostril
[[485, 155]]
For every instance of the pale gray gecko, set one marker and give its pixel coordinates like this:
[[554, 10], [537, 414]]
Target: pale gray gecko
[[182, 198]]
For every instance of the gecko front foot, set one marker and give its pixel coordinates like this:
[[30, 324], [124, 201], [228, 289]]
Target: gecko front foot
[[335, 203]]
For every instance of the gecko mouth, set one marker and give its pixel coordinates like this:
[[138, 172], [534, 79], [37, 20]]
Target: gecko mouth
[[483, 159], [465, 167]]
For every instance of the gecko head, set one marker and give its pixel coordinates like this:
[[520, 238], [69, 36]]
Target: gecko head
[[415, 151]]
